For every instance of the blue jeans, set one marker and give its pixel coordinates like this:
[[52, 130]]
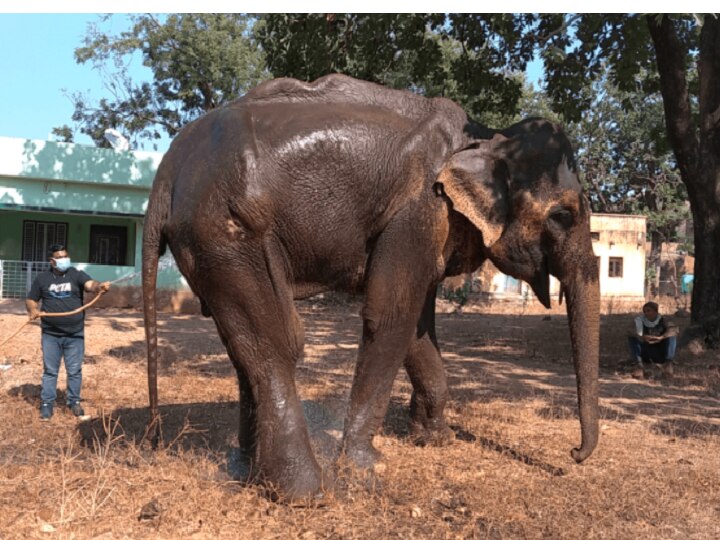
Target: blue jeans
[[656, 352], [54, 348]]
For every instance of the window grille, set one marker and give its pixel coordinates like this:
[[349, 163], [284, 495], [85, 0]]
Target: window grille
[[615, 267], [38, 236]]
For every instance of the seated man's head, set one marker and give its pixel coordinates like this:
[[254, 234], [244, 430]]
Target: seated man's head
[[650, 310]]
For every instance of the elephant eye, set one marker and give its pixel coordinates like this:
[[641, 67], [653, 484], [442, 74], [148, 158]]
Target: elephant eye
[[562, 216]]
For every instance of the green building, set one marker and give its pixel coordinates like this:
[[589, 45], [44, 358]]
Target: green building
[[91, 199]]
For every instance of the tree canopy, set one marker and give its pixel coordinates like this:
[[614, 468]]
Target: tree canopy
[[198, 62], [625, 162], [473, 59]]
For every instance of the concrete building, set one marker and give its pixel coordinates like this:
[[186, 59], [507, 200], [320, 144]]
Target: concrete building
[[619, 244], [91, 199]]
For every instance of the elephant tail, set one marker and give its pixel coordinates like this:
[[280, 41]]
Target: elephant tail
[[154, 245]]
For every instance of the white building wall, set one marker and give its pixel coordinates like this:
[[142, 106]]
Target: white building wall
[[622, 238]]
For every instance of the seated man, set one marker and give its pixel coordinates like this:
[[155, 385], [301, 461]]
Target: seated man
[[653, 340]]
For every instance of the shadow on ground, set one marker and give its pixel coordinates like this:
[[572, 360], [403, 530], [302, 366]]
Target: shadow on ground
[[488, 357]]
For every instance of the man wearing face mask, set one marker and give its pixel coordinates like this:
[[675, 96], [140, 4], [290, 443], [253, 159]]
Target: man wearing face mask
[[61, 289]]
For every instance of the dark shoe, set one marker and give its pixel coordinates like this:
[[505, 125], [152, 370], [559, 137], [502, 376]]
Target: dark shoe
[[76, 409], [638, 372], [46, 411], [627, 366], [667, 369]]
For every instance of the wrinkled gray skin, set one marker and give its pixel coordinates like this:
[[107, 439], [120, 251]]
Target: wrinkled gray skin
[[341, 184]]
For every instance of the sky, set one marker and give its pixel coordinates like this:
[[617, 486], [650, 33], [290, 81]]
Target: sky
[[40, 73]]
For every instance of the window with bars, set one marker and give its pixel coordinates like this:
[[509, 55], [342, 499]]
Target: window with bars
[[108, 244], [615, 267], [38, 236]]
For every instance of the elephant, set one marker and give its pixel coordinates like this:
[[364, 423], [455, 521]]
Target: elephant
[[341, 184]]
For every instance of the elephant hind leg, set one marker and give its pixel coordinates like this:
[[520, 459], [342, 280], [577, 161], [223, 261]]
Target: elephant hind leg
[[253, 309], [248, 407]]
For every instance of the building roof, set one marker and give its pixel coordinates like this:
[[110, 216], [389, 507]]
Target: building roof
[[619, 216], [64, 177], [68, 162]]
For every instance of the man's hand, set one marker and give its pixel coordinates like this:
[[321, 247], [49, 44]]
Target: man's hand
[[33, 309], [652, 339], [96, 287]]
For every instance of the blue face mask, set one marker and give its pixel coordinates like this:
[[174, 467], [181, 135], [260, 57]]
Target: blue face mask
[[62, 264]]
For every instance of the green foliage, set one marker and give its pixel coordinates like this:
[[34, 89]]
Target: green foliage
[[650, 273], [626, 164], [198, 61], [579, 49], [470, 58], [63, 133], [602, 73], [459, 295], [384, 48]]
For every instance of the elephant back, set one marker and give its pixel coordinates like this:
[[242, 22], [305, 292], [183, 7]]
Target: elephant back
[[341, 89]]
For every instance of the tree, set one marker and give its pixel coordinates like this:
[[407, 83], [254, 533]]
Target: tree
[[199, 61], [626, 162], [680, 56], [476, 60]]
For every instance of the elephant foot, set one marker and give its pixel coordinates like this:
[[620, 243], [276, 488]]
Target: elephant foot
[[361, 455], [290, 473], [305, 486], [436, 433]]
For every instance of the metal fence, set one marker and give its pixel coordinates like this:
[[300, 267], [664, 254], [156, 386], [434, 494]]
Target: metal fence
[[16, 277]]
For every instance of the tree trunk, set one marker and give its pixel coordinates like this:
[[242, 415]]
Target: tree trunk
[[706, 285], [706, 294], [697, 150]]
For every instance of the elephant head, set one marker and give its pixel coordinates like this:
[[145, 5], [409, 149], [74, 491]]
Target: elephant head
[[521, 190]]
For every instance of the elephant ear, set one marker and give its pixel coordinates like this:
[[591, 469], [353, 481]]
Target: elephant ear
[[476, 179]]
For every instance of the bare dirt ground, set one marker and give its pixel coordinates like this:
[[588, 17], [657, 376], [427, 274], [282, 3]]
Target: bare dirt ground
[[655, 473]]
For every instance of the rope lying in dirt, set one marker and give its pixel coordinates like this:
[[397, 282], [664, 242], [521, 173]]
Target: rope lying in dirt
[[60, 314]]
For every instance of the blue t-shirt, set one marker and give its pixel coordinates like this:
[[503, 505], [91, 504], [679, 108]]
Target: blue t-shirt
[[59, 293]]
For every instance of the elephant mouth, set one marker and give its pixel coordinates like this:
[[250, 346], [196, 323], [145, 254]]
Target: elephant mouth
[[540, 284]]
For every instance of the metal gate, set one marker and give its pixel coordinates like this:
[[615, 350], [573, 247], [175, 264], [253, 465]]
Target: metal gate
[[16, 277]]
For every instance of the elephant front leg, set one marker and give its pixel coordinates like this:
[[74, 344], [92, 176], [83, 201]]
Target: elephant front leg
[[380, 357], [427, 375], [394, 297], [248, 420]]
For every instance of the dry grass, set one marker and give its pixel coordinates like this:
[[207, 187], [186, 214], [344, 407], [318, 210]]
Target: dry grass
[[655, 473]]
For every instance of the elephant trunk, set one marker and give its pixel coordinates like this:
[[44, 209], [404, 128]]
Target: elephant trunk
[[582, 291]]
